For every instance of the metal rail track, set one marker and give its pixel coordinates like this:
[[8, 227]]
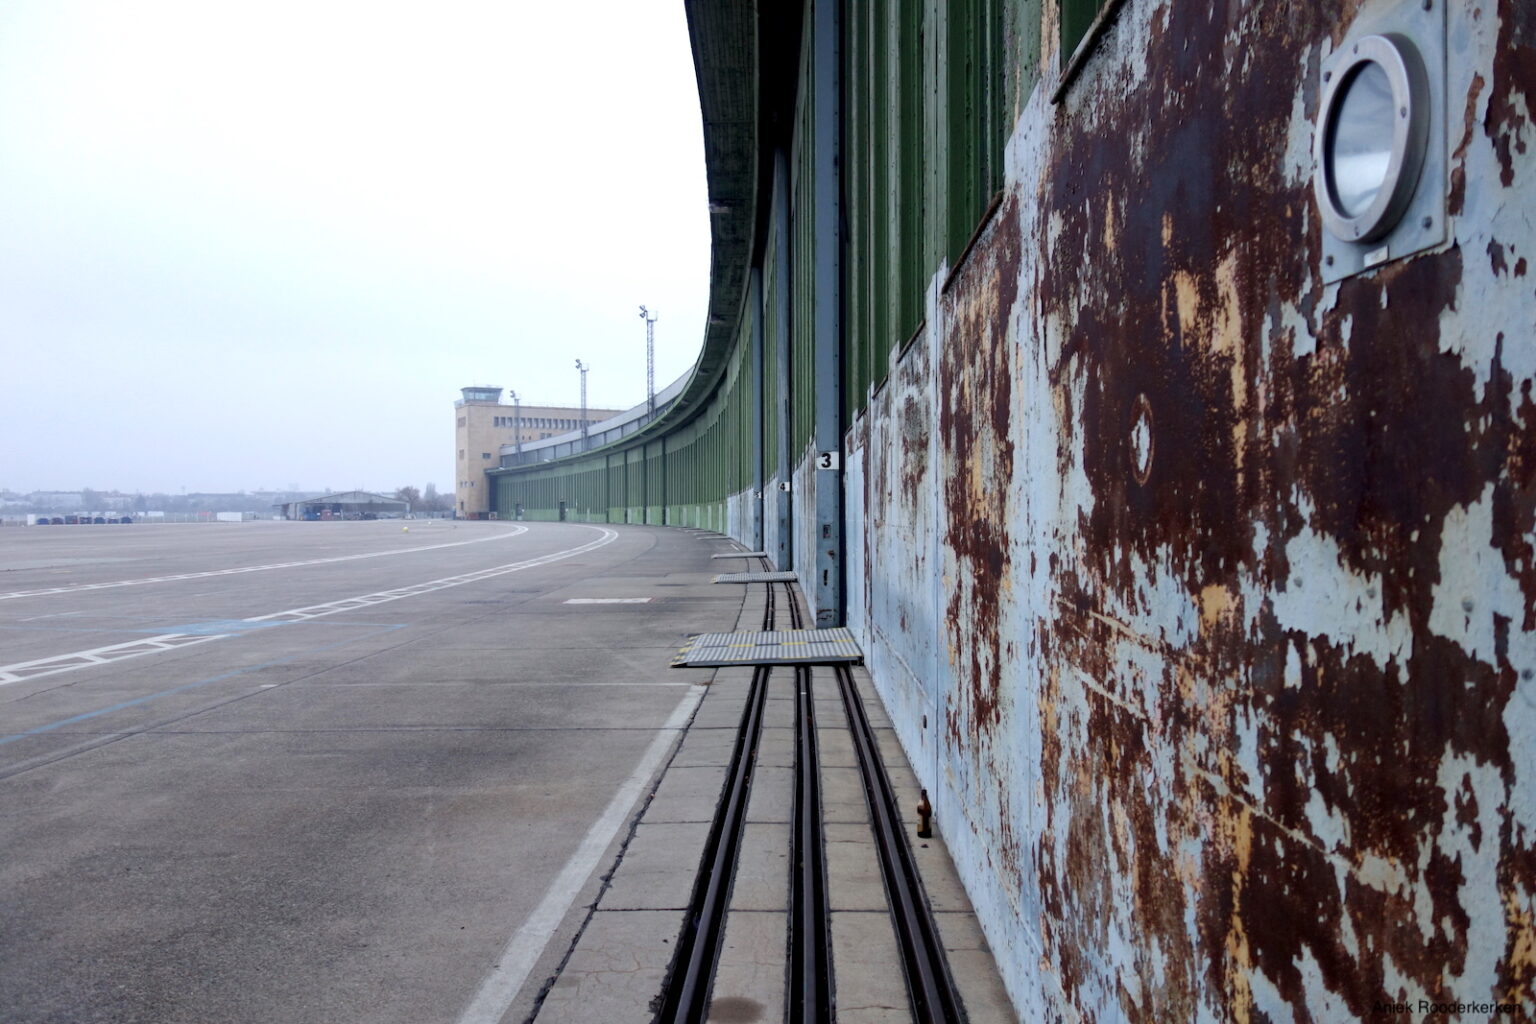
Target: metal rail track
[[686, 998], [810, 918], [930, 987]]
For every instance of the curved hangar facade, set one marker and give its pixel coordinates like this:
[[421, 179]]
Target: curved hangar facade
[[1150, 386]]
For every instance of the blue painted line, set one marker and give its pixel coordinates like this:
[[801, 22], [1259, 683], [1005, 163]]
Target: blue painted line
[[51, 726], [332, 623], [219, 627]]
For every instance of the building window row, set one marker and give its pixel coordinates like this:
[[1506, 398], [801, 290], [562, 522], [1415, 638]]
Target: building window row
[[538, 422]]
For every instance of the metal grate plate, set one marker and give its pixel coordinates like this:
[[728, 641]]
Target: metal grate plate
[[755, 577], [742, 554], [784, 647]]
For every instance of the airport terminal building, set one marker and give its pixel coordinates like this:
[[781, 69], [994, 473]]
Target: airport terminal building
[[484, 423]]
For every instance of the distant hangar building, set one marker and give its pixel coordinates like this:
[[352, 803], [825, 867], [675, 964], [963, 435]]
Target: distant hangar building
[[346, 505]]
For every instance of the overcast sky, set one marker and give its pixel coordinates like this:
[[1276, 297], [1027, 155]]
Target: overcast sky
[[250, 245]]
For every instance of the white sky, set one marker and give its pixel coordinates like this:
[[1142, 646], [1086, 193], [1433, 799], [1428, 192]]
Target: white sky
[[250, 245]]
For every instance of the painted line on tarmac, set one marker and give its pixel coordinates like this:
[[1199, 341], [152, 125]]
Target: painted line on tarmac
[[385, 596], [608, 600], [195, 634], [87, 716], [81, 587], [98, 656], [527, 944]]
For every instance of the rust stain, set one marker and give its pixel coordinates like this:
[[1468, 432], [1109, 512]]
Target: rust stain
[[975, 411], [1458, 194], [915, 430], [1171, 285], [1519, 969], [1200, 520], [1514, 75]]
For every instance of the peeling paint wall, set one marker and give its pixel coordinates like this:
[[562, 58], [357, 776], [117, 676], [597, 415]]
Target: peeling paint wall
[[1229, 662], [1201, 594]]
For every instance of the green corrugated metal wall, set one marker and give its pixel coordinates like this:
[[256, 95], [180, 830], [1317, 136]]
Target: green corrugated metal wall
[[928, 88]]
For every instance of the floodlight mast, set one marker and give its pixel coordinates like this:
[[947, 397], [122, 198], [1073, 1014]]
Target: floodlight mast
[[517, 420], [584, 432], [650, 359]]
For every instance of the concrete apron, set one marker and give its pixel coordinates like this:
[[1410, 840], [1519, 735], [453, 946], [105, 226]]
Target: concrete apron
[[615, 969]]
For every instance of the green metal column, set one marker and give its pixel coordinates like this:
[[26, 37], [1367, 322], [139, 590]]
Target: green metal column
[[784, 552], [758, 360], [827, 317]]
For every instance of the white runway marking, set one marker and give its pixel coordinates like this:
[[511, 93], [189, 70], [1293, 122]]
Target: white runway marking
[[75, 588], [383, 596], [99, 656], [235, 627], [527, 944], [608, 600]]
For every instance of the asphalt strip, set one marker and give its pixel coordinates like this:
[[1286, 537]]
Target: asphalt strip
[[527, 944]]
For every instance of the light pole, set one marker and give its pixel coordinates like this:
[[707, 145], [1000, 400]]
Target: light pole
[[650, 359], [517, 421], [583, 370]]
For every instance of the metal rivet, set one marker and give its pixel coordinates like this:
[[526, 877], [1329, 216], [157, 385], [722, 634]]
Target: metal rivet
[[1467, 605], [1327, 76], [1428, 222], [1402, 111], [1330, 261]]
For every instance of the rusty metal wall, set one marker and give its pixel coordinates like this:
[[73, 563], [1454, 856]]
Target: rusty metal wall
[[1229, 665]]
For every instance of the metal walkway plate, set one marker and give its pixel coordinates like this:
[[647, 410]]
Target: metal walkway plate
[[755, 577], [742, 554], [784, 647]]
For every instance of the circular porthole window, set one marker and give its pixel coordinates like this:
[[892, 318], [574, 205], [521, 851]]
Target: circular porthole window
[[1372, 128]]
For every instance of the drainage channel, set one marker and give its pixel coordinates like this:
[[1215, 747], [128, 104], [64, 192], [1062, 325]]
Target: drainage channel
[[931, 991], [686, 999], [810, 941], [698, 951], [810, 918], [930, 986]]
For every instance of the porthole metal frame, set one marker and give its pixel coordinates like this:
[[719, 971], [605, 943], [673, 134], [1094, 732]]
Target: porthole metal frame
[[1399, 59], [1409, 213]]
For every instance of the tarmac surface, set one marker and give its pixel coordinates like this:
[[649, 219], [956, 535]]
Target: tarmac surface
[[335, 772]]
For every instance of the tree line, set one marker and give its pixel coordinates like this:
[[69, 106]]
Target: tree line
[[424, 500]]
